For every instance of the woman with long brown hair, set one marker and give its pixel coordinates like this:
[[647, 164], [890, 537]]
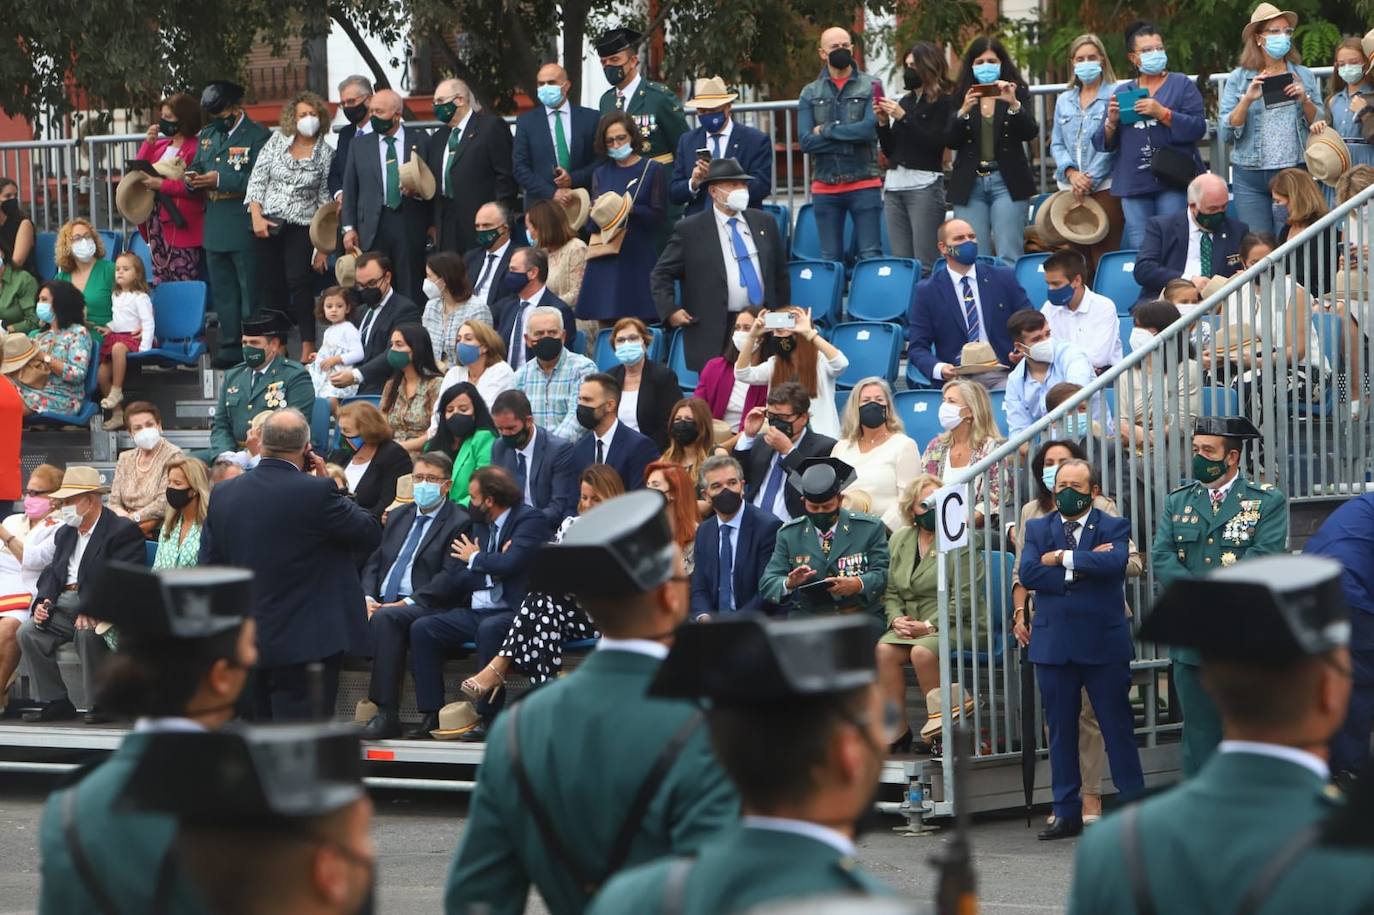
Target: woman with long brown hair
[[546, 225], [680, 490], [796, 353]]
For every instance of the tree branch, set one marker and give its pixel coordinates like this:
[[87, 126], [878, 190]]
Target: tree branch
[[460, 69], [523, 65], [664, 8], [379, 79]]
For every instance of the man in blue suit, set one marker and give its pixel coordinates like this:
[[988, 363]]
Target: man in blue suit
[[553, 142], [733, 546], [1197, 244], [540, 463], [522, 291], [354, 92], [611, 441], [298, 532], [485, 581], [1075, 562], [966, 302], [724, 138]]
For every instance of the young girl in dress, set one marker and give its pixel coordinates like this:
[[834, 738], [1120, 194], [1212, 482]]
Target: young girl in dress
[[342, 344], [131, 330]]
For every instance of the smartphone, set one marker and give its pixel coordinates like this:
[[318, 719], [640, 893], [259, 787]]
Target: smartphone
[[780, 320], [877, 91], [987, 90], [703, 155]]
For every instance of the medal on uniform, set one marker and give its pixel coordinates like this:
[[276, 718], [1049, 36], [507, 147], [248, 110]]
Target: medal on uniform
[[1228, 559]]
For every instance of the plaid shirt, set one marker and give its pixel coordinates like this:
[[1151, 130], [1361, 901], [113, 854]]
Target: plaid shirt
[[553, 398]]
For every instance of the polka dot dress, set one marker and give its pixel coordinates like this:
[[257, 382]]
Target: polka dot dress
[[545, 623]]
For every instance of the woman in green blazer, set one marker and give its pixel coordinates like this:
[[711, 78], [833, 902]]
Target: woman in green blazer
[[466, 433], [18, 298], [912, 600]]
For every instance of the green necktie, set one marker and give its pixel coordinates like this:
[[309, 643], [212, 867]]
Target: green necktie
[[454, 137], [560, 142], [393, 176], [1205, 254]]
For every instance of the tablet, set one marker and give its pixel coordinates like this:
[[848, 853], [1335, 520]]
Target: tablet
[[1127, 102]]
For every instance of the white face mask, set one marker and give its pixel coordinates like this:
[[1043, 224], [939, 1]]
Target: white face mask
[[308, 126], [148, 438], [1140, 338], [1042, 352], [741, 340], [84, 249], [431, 289], [738, 199], [69, 516], [951, 415]]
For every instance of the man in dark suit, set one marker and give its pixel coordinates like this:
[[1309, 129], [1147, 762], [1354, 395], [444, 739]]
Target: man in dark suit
[[1075, 562], [299, 533], [471, 160], [540, 463], [966, 302], [785, 442], [377, 214], [521, 290], [485, 580], [727, 259], [723, 138], [354, 93], [92, 535], [415, 546], [611, 441], [553, 141], [489, 261], [1197, 244], [733, 546], [384, 308]]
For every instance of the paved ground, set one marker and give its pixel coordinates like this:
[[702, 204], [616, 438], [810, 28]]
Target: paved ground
[[416, 834]]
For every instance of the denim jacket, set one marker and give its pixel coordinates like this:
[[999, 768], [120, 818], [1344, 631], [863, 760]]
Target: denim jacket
[[1345, 121], [845, 149], [1246, 152], [1073, 136]]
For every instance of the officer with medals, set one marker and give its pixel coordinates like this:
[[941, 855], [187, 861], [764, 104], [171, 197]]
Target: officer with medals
[[801, 728], [229, 146], [186, 645], [1240, 837], [265, 380], [271, 819], [830, 560], [588, 774], [1213, 522]]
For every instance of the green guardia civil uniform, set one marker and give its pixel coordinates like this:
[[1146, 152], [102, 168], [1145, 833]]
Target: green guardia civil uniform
[[657, 111], [1192, 539], [858, 549], [244, 394], [126, 850]]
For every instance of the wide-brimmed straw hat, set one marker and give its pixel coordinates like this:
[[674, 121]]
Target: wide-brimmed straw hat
[[345, 270], [1079, 222], [417, 178], [610, 212], [405, 492], [580, 208], [134, 198], [1262, 14], [1327, 156], [976, 358], [1043, 227], [324, 227], [935, 710], [19, 350], [709, 92], [80, 481], [455, 719]]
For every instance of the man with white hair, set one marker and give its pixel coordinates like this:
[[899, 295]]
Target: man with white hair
[[1197, 244], [552, 378], [471, 160], [378, 215]]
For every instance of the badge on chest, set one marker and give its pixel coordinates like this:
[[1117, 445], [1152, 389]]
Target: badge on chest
[[1240, 529]]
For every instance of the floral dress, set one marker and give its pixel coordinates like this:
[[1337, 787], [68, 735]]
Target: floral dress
[[409, 416], [170, 555], [64, 392], [542, 626]]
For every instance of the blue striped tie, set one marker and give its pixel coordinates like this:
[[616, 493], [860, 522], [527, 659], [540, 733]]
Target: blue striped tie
[[971, 312]]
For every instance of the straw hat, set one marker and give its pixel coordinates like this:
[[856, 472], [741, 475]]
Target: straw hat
[[610, 212], [345, 270], [1348, 285], [1327, 157], [1213, 286], [1079, 222], [1368, 44], [365, 711], [173, 169], [405, 492], [976, 358], [1049, 235], [417, 178], [935, 711], [80, 481], [580, 209], [455, 719], [134, 198], [19, 350], [324, 227], [1262, 14], [709, 92]]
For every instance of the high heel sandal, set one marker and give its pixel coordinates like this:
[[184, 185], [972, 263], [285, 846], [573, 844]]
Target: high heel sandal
[[476, 692], [901, 744]]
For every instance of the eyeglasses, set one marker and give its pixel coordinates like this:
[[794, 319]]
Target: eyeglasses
[[1276, 32], [780, 418], [633, 338], [37, 492], [618, 138], [419, 479]]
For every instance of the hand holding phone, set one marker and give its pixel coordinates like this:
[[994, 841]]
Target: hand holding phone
[[779, 320]]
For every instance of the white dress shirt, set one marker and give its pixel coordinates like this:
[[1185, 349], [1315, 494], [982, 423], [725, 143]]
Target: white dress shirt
[[1093, 327], [563, 113], [449, 151], [814, 831], [712, 145], [1314, 764], [736, 296], [655, 650], [628, 411], [515, 346], [482, 599], [367, 327], [82, 541], [528, 452], [958, 282], [605, 441], [1192, 264], [487, 278], [400, 137]]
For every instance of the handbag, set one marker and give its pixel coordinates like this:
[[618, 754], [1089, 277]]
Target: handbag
[[606, 247], [35, 375], [1172, 168]]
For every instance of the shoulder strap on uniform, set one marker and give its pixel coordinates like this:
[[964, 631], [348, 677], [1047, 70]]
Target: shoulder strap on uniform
[[1275, 868], [634, 816], [1135, 861], [103, 903], [675, 886]]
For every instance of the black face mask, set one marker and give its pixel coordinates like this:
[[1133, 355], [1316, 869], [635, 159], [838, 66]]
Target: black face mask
[[872, 415], [614, 73], [10, 207], [840, 58], [461, 425], [518, 440], [782, 426], [355, 114], [179, 498], [168, 128], [727, 501], [586, 417], [911, 79], [778, 346], [685, 431], [547, 348], [480, 513], [369, 296]]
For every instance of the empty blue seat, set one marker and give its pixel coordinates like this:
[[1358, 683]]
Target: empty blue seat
[[677, 361], [45, 254], [321, 425], [1220, 401], [920, 413], [881, 289], [782, 215], [150, 553], [1115, 278], [999, 411], [179, 322], [1127, 324], [818, 286], [996, 602], [114, 245], [138, 246], [806, 239], [873, 348], [89, 407], [1035, 206], [1030, 273]]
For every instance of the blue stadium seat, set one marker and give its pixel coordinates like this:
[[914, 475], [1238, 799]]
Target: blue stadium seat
[[89, 407], [579, 343], [604, 356], [819, 286], [45, 254], [1030, 273], [1035, 206], [920, 413], [321, 424], [999, 410], [374, 399], [137, 245], [841, 398], [149, 553], [1220, 401], [677, 361], [179, 321], [915, 378], [806, 240], [782, 215], [1115, 278], [873, 348], [114, 245], [881, 289], [997, 609], [1127, 324]]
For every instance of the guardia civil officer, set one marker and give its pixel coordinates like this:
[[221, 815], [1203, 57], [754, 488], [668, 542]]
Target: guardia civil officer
[[655, 108], [1239, 838], [267, 379], [589, 774], [1213, 522], [185, 646], [271, 819], [800, 726]]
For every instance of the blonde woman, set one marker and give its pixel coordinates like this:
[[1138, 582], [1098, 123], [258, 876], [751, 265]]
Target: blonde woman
[[188, 498], [970, 435], [80, 256], [288, 184], [874, 442], [480, 360]]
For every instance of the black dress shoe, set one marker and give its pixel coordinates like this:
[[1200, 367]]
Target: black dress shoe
[[421, 731], [382, 727], [1063, 828], [56, 710], [96, 716], [478, 734], [901, 744]]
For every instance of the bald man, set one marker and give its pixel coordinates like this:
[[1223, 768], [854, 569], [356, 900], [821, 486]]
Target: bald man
[[1196, 244], [471, 160], [553, 142], [378, 214]]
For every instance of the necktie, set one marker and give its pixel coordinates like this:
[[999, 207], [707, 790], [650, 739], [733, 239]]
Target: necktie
[[770, 489], [600, 452], [560, 142], [393, 176], [1217, 497], [715, 146], [392, 591], [748, 276], [619, 101], [521, 471], [1205, 254], [1071, 534], [517, 339], [725, 588], [970, 311], [486, 273], [368, 320], [455, 136], [445, 187], [493, 543]]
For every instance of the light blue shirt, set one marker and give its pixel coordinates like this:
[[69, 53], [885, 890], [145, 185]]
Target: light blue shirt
[[1025, 397], [1071, 141], [1345, 121], [483, 599]]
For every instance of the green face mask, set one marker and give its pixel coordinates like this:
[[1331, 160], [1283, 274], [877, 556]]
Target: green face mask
[[1072, 503], [486, 236], [823, 521], [397, 359], [254, 356], [926, 520], [1207, 470]]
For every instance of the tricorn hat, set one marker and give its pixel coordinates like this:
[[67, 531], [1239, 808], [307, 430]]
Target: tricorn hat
[[219, 95], [269, 323], [1227, 426], [619, 548], [191, 603], [617, 40], [820, 479]]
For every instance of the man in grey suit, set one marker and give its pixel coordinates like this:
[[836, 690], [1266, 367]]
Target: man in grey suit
[[541, 463], [727, 258], [377, 214]]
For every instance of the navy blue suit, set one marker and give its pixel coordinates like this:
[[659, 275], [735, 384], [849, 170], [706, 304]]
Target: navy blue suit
[[758, 531], [535, 157], [1080, 639], [936, 316], [630, 452], [1164, 251], [336, 167], [1348, 536], [433, 636], [506, 311], [751, 147], [552, 481]]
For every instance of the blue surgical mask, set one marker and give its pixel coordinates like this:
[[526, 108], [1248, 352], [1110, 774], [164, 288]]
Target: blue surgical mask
[[987, 73], [427, 493], [1078, 425], [1277, 46], [1280, 215], [620, 153], [966, 252], [1152, 63], [629, 353], [550, 96], [1047, 477], [468, 353], [354, 441], [44, 312], [1088, 71], [1351, 73], [714, 122], [1061, 296], [512, 283]]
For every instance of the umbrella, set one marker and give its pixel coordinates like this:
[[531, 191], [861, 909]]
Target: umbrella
[[1027, 724]]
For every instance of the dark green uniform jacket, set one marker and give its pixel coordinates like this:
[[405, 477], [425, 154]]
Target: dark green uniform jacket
[[657, 111], [228, 226], [859, 549], [242, 396]]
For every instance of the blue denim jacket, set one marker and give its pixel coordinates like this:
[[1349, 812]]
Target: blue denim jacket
[[845, 148], [1073, 132], [1246, 151], [1346, 122]]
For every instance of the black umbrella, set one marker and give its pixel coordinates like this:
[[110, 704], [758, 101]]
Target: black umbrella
[[1027, 723]]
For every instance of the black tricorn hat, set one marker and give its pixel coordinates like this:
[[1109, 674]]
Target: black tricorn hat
[[269, 323], [192, 603], [619, 548], [219, 95], [1228, 426], [819, 479], [616, 40]]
